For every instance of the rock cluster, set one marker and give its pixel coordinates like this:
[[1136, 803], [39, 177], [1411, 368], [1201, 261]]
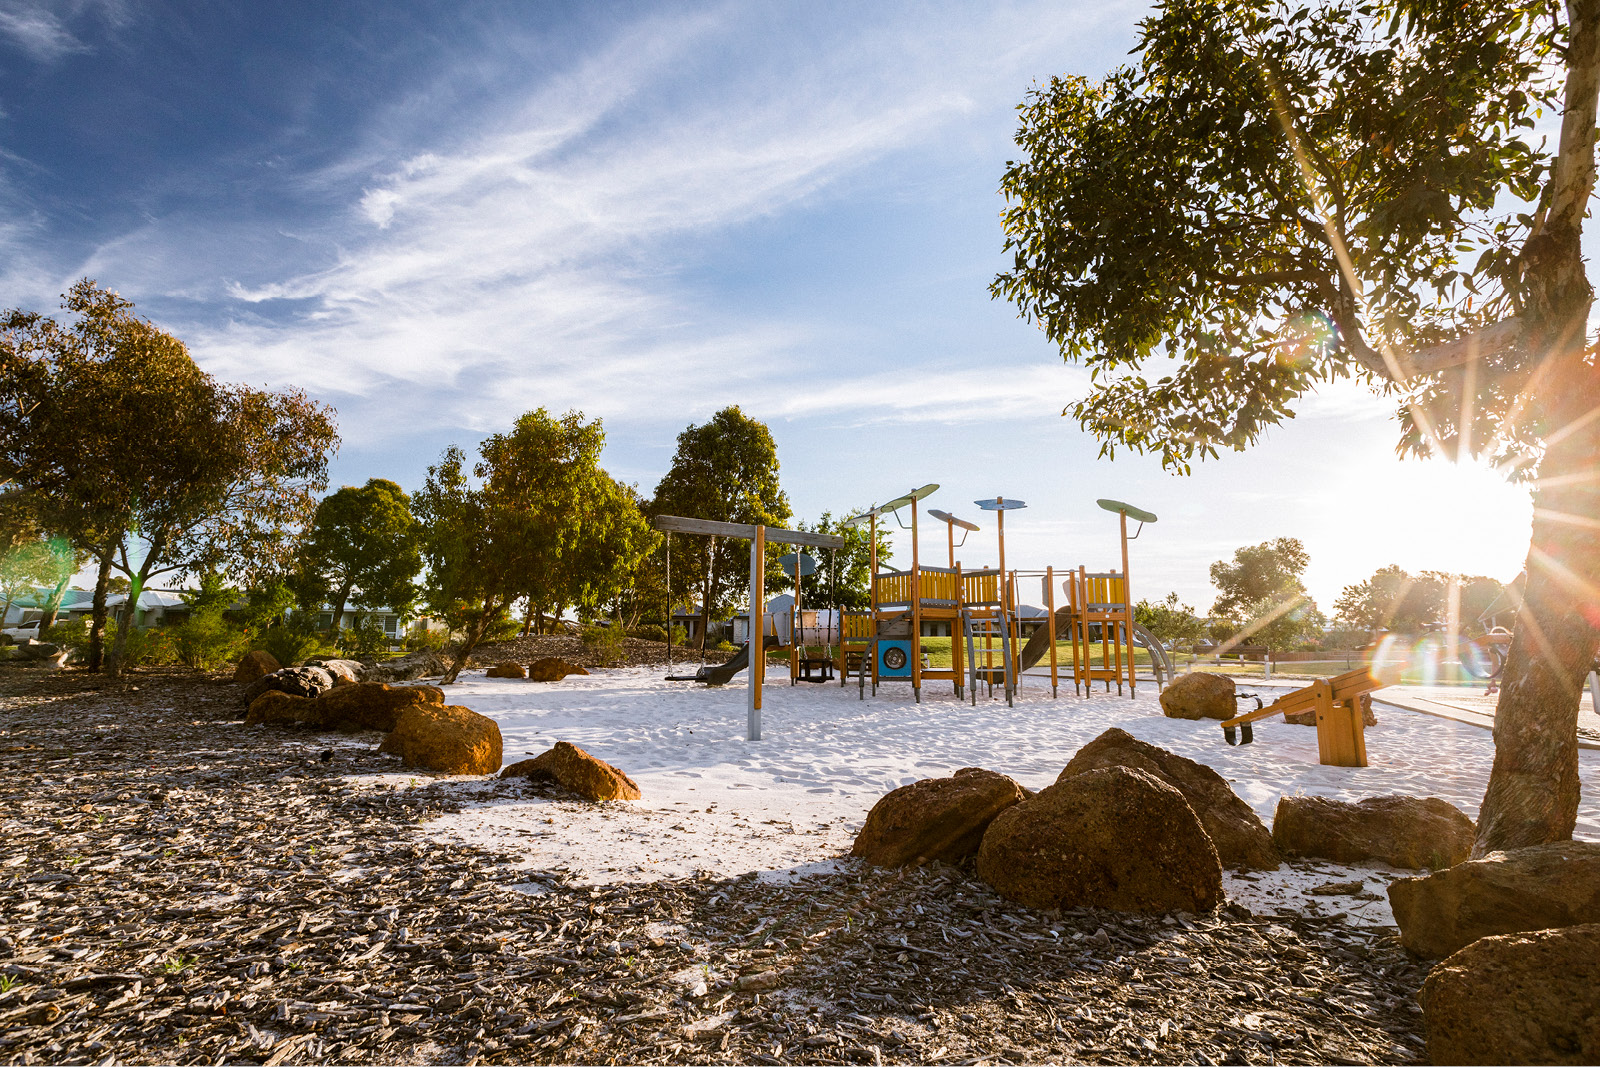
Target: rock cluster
[[577, 771], [1401, 831], [363, 706], [35, 653], [254, 665], [296, 681], [1199, 695]]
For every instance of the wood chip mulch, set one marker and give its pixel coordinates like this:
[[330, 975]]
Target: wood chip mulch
[[175, 887]]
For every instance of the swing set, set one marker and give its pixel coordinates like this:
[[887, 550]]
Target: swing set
[[764, 632]]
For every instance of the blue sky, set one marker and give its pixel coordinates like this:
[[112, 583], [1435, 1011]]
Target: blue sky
[[435, 217]]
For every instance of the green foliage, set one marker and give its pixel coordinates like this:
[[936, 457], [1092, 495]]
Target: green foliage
[[605, 643], [144, 646], [206, 640], [649, 632], [364, 637], [725, 470], [535, 518], [68, 634], [265, 604], [294, 640], [116, 433], [1268, 572], [1392, 599], [363, 542], [849, 585], [1169, 621], [1276, 195], [421, 639]]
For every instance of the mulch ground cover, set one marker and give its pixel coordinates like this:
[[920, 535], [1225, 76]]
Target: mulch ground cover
[[176, 887]]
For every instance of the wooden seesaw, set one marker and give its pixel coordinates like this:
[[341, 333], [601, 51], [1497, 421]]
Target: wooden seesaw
[[1341, 741]]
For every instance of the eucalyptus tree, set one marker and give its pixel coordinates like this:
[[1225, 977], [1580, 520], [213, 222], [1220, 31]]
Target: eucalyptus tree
[[725, 469], [1274, 195], [534, 518], [148, 463], [363, 541]]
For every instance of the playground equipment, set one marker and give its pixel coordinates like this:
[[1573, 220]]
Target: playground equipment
[[984, 616], [758, 536], [1341, 738]]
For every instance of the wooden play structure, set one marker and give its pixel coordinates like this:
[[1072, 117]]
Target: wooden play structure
[[979, 610], [763, 628], [1341, 737]]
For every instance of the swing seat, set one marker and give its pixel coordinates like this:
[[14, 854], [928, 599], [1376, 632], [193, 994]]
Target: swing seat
[[816, 669]]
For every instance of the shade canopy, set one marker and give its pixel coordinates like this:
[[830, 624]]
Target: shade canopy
[[808, 566], [1127, 509], [945, 516], [1000, 503]]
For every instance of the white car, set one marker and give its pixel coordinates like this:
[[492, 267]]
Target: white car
[[20, 633]]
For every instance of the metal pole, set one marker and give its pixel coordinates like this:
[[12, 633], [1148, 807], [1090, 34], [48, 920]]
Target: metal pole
[[916, 610]]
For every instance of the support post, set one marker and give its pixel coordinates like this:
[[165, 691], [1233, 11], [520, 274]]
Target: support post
[[758, 630], [1050, 608]]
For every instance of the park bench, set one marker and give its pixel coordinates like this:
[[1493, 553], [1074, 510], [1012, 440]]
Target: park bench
[[1337, 703]]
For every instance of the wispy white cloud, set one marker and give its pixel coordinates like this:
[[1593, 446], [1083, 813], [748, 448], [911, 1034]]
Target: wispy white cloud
[[42, 29], [539, 256]]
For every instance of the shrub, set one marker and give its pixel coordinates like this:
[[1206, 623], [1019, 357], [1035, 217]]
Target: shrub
[[604, 643], [205, 640], [144, 648], [294, 640], [68, 634], [365, 638], [422, 639], [648, 632]]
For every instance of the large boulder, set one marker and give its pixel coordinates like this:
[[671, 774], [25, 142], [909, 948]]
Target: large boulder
[[574, 769], [344, 671], [935, 819], [446, 738], [373, 705], [1114, 838], [254, 665], [507, 670], [275, 708], [1517, 998], [552, 669], [1241, 840], [1540, 887], [362, 706], [1401, 831], [407, 668], [297, 681], [1199, 695]]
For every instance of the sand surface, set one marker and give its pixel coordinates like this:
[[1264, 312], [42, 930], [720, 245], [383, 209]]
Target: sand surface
[[718, 803]]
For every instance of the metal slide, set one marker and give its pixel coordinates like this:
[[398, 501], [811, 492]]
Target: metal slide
[[722, 673]]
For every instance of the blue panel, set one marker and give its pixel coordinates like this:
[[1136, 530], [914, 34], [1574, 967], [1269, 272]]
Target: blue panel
[[894, 659]]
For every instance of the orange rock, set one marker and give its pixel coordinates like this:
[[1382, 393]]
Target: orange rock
[[373, 705], [935, 819], [574, 769], [254, 665], [446, 738], [276, 708], [552, 669], [507, 670]]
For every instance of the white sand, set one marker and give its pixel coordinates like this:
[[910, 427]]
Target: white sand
[[717, 803]]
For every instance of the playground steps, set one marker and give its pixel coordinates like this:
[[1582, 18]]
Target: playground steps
[[976, 628]]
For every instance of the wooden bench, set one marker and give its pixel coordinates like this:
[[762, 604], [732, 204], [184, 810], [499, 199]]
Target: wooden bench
[[1337, 703]]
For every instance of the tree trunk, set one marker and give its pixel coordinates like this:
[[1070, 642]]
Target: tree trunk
[[474, 633], [97, 624], [129, 616], [1533, 790], [338, 609], [1532, 796], [52, 606], [527, 618]]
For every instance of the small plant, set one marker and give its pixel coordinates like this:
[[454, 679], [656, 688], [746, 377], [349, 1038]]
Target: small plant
[[365, 638], [605, 643], [294, 640], [179, 963], [6, 982], [422, 639], [68, 634], [205, 640]]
